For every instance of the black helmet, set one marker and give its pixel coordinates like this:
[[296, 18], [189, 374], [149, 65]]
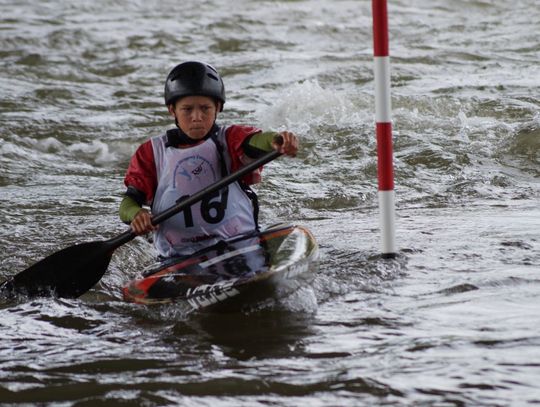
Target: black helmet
[[194, 79]]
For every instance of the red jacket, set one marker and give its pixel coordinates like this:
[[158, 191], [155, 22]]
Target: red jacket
[[141, 173]]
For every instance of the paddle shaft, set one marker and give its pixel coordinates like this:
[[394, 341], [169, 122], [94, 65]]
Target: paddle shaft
[[229, 179]]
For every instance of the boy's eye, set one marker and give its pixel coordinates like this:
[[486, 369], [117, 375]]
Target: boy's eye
[[191, 109]]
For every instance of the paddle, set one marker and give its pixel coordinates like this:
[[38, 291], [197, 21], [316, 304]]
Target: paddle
[[74, 270]]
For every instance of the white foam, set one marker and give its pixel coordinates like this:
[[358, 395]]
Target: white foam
[[100, 150], [305, 105], [50, 145], [302, 300]]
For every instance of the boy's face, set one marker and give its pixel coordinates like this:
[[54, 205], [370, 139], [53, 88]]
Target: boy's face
[[195, 115]]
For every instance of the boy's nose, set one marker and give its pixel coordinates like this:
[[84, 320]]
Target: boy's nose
[[197, 114]]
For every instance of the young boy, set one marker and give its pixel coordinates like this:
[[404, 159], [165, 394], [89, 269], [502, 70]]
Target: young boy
[[183, 161]]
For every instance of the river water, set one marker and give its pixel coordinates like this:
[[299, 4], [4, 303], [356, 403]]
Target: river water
[[454, 320]]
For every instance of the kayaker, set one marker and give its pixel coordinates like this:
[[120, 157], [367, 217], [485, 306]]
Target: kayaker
[[186, 159]]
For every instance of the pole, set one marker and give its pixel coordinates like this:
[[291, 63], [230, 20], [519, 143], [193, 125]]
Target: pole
[[383, 117]]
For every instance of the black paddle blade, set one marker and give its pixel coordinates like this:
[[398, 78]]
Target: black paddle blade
[[68, 273]]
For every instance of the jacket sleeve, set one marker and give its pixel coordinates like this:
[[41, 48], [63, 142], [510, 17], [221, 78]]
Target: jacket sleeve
[[129, 207], [258, 144], [236, 135], [141, 174]]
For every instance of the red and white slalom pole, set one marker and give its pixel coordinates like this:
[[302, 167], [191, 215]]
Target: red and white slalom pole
[[383, 117]]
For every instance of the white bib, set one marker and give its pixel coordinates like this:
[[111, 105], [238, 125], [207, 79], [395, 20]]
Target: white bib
[[181, 172]]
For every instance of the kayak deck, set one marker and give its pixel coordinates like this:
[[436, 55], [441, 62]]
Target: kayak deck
[[233, 275]]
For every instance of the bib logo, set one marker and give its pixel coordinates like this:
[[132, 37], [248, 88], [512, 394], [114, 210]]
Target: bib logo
[[191, 168]]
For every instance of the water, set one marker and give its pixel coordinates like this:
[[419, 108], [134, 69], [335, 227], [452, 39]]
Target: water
[[452, 321]]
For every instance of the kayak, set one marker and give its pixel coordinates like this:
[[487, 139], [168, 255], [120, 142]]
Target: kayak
[[237, 274]]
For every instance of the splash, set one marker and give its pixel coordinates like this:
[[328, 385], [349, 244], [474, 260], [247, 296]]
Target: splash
[[307, 104], [50, 149], [97, 149]]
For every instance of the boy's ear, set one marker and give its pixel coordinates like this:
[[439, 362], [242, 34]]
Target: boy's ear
[[171, 109]]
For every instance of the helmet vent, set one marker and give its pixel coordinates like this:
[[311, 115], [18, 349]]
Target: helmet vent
[[214, 77]]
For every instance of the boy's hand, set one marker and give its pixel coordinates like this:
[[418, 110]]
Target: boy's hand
[[142, 222], [286, 143]]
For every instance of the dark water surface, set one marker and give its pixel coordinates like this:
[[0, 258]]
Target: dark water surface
[[453, 321]]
